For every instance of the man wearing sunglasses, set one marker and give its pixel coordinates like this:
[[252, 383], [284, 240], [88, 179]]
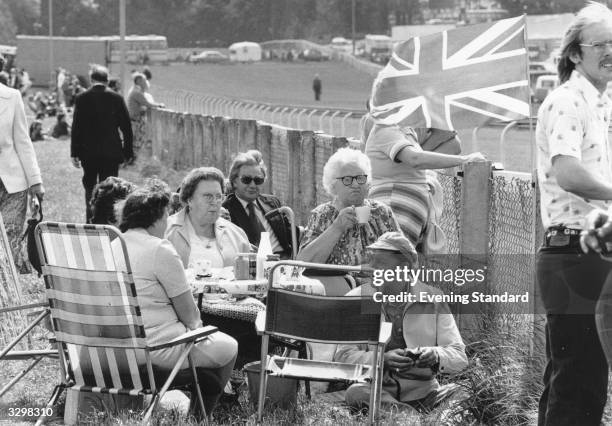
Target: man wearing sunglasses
[[253, 211]]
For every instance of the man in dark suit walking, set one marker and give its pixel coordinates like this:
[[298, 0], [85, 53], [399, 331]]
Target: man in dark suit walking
[[101, 133], [255, 212]]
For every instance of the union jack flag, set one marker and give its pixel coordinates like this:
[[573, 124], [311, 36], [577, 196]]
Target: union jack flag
[[456, 79]]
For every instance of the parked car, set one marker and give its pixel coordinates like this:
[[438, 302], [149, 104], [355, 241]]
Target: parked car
[[208, 56], [314, 55], [380, 57], [544, 85], [542, 66], [342, 44]]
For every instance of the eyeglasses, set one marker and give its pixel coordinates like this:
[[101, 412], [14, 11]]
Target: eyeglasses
[[599, 46], [348, 180], [209, 198], [248, 179]]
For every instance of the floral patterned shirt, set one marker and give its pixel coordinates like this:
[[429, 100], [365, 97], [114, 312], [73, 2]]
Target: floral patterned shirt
[[350, 248], [572, 121]]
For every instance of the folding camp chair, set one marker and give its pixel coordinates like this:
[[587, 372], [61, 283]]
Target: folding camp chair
[[15, 326], [96, 316], [343, 319], [294, 241]]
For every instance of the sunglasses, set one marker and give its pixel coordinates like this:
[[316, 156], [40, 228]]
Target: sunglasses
[[348, 180], [248, 179]]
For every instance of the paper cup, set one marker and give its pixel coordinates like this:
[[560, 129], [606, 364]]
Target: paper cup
[[363, 214]]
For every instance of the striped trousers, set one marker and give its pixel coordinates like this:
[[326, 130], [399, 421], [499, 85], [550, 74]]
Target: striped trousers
[[409, 203]]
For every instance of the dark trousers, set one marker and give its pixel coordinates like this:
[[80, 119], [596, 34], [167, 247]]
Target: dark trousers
[[94, 172], [576, 374]]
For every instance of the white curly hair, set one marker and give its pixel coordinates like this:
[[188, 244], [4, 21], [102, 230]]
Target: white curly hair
[[341, 158]]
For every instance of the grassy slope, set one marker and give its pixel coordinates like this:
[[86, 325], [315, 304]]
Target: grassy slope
[[64, 202]]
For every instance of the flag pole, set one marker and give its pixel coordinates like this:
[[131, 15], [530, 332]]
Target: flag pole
[[530, 121], [536, 320]]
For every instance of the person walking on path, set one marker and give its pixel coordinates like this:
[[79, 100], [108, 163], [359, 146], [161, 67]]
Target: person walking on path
[[316, 87], [101, 133]]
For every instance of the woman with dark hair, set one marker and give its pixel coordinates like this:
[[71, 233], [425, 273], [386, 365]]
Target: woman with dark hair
[[197, 231], [105, 196], [166, 303]]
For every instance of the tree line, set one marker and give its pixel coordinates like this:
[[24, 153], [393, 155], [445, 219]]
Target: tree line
[[221, 22]]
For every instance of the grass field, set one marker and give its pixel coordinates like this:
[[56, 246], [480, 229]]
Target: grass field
[[285, 83]]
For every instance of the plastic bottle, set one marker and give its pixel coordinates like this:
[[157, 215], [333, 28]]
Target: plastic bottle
[[265, 248]]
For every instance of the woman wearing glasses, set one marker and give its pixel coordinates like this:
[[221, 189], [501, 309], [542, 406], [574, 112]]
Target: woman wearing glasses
[[197, 232], [333, 234]]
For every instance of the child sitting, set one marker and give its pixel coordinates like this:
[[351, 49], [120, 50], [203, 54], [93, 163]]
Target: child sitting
[[61, 128]]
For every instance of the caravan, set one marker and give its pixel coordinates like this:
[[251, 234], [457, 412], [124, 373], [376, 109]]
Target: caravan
[[245, 51]]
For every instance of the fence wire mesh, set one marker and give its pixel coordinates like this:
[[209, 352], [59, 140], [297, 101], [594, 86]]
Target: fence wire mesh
[[512, 244], [451, 214]]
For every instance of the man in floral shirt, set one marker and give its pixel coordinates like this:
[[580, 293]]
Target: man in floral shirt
[[575, 177]]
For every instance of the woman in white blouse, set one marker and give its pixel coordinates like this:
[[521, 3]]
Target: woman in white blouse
[[197, 231]]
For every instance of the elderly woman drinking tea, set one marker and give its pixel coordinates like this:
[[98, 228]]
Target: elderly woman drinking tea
[[339, 231]]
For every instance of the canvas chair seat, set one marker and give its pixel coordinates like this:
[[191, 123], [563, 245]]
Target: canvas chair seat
[[324, 371]]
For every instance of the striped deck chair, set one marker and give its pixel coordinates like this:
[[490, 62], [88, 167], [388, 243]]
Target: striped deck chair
[[15, 324], [329, 319], [96, 316]]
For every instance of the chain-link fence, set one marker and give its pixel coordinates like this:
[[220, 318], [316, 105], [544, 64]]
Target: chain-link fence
[[512, 242]]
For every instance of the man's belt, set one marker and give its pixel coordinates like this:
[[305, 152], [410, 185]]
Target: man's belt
[[560, 236]]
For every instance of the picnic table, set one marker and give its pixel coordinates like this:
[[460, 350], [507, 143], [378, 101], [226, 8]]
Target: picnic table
[[232, 306]]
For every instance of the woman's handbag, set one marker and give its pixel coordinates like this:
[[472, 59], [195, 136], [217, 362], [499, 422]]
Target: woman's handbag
[[31, 243]]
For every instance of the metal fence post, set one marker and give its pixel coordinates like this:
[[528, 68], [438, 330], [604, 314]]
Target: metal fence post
[[273, 114], [475, 138], [299, 124], [343, 123], [331, 123], [282, 115], [291, 117], [474, 237], [310, 127], [502, 138], [321, 119]]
